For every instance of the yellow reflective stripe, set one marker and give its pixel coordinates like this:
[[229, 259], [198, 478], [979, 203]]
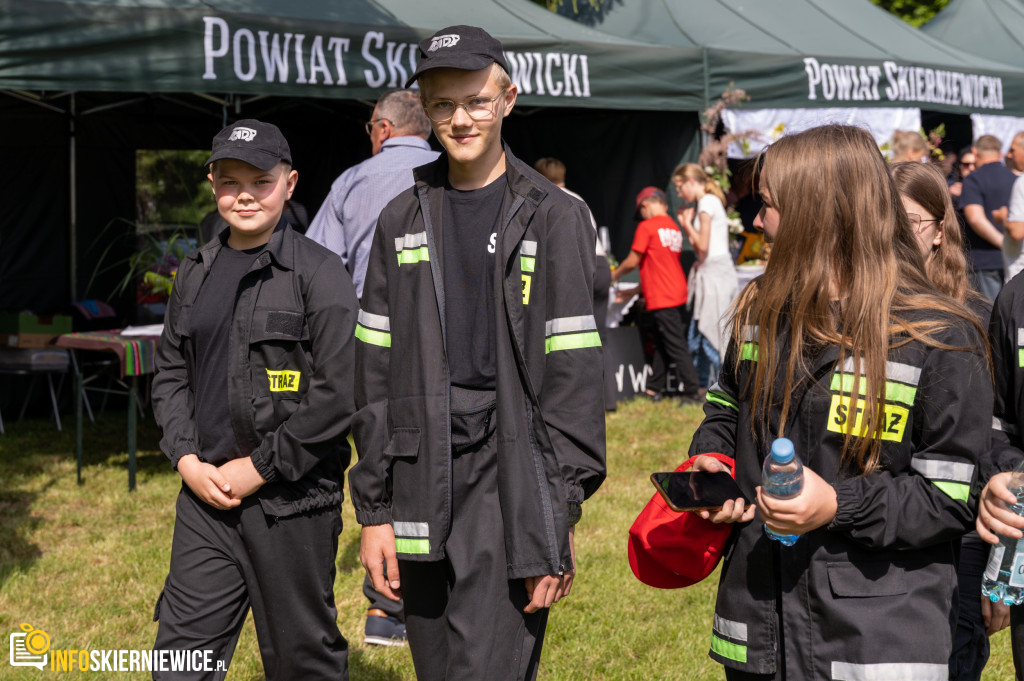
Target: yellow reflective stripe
[[415, 255], [1020, 357], [527, 264], [572, 341], [722, 399], [954, 490], [732, 651], [749, 351], [894, 392], [373, 337], [412, 546]]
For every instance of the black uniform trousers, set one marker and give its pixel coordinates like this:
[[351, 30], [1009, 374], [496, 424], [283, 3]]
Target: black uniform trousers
[[670, 345], [463, 616], [224, 562]]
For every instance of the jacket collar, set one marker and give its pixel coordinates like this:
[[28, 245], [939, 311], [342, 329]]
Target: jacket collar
[[521, 178], [280, 248]]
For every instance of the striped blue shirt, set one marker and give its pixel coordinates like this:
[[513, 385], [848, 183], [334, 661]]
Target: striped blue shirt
[[348, 217]]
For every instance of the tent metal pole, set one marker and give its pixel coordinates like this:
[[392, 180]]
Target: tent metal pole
[[73, 213]]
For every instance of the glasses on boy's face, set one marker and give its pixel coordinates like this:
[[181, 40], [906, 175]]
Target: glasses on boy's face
[[479, 108], [918, 222], [369, 124]]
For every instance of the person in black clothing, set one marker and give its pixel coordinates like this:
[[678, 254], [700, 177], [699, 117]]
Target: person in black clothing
[[253, 393]]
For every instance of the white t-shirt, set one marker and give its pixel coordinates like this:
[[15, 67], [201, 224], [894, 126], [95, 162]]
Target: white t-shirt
[[1013, 257], [718, 244]]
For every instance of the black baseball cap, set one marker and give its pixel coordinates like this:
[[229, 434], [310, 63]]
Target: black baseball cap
[[468, 48], [257, 143]]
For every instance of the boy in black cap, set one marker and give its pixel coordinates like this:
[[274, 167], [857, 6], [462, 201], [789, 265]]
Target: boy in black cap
[[480, 422], [253, 392]]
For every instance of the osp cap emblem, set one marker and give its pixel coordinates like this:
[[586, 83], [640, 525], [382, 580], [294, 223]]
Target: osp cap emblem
[[244, 134], [443, 41]]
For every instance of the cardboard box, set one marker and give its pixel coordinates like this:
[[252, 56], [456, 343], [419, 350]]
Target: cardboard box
[[23, 330]]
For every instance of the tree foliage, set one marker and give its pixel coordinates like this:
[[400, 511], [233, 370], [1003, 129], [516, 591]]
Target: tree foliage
[[914, 12]]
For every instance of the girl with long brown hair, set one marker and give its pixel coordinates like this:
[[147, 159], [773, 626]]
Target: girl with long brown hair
[[845, 347], [926, 198]]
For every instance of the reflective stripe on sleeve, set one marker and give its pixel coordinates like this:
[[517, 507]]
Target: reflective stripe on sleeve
[[734, 630], [527, 264], [374, 321], [406, 529], [1004, 426], [412, 546], [749, 351], [722, 399], [952, 477], [374, 329], [528, 248], [571, 333], [893, 671], [731, 651]]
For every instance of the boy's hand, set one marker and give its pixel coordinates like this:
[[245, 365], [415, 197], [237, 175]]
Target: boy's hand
[[546, 590], [377, 554], [242, 477], [994, 518], [814, 507], [206, 481]]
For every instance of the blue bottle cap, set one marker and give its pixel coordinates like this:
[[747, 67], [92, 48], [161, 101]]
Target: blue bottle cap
[[783, 450]]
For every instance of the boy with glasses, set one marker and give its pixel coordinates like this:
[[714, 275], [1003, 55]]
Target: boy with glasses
[[480, 423]]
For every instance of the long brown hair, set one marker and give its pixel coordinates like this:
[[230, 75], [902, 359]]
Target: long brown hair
[[845, 269], [946, 264], [692, 171]]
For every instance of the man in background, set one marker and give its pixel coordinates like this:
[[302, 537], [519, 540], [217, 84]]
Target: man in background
[[398, 130], [984, 198]]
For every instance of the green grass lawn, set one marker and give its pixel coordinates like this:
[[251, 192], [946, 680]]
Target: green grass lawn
[[85, 563]]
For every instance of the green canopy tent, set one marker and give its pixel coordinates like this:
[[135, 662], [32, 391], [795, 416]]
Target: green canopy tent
[[88, 82], [821, 53], [992, 29]]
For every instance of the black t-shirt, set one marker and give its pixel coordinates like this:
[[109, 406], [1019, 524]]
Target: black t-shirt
[[210, 326], [989, 186], [471, 223]]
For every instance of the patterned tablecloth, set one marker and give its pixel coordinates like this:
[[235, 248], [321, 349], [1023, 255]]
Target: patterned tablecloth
[[136, 353]]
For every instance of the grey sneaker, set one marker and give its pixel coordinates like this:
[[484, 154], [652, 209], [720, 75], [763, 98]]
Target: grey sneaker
[[384, 630]]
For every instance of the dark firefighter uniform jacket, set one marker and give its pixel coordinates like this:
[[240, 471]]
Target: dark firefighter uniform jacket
[[289, 375], [549, 408], [869, 595], [1006, 336]]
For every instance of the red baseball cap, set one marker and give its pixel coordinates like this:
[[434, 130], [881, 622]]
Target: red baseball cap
[[646, 193], [671, 549]]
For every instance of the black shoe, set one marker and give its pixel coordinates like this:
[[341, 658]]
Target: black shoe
[[384, 630]]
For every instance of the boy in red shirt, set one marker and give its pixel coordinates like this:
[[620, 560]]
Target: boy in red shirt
[[656, 248]]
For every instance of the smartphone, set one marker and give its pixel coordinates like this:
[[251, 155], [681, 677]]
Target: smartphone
[[696, 490]]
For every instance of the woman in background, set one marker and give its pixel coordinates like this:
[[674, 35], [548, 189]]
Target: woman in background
[[712, 280]]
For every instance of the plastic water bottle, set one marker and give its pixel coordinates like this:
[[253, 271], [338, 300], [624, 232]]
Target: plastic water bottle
[[783, 478], [1004, 575]]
